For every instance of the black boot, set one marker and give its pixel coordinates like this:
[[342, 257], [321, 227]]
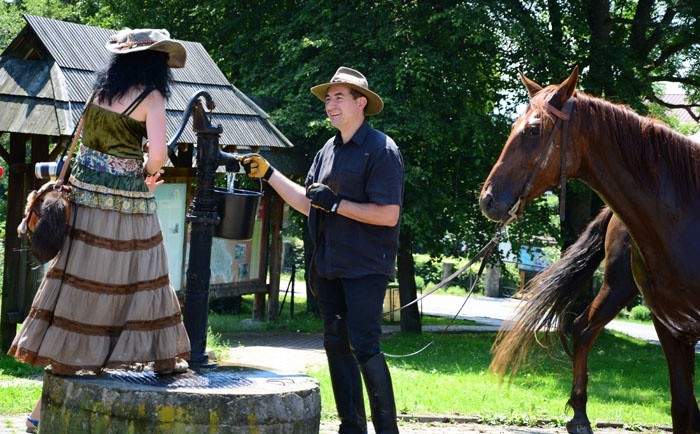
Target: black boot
[[381, 395], [347, 391]]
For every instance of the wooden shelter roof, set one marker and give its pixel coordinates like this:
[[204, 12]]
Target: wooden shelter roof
[[47, 72]]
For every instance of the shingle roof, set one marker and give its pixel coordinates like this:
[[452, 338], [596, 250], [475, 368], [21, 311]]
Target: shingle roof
[[47, 72], [680, 99]]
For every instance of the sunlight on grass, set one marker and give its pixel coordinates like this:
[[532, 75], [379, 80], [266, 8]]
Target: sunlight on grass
[[20, 386], [628, 377]]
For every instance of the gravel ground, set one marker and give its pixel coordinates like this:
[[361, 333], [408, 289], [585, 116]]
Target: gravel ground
[[14, 424]]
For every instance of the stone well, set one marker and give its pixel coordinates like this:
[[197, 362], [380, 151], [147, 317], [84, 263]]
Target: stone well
[[228, 399]]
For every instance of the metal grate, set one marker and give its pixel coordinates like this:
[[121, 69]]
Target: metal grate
[[189, 380]]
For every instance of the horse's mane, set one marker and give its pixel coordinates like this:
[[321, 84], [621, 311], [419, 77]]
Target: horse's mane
[[642, 141]]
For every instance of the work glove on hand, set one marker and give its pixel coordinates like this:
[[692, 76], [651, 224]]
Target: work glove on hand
[[322, 197], [256, 166]]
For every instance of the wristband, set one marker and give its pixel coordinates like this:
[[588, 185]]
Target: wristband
[[268, 174]]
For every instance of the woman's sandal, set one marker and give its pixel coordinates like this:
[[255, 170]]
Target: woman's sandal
[[34, 425], [181, 366]]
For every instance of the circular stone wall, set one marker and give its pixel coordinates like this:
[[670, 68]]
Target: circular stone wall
[[227, 399]]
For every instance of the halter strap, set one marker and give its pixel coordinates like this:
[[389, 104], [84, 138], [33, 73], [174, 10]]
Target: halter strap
[[566, 112], [563, 115], [562, 118], [138, 100]]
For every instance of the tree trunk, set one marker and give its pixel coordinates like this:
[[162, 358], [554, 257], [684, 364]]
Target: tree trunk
[[410, 317]]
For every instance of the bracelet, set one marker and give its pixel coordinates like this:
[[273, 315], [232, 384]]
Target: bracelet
[[146, 174]]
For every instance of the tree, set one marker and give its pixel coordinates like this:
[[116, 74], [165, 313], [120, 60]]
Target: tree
[[624, 48], [448, 73], [436, 67]]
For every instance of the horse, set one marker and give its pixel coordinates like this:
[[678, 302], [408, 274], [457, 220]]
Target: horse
[[647, 174], [548, 300]]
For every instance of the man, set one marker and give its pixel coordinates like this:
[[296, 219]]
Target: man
[[353, 197]]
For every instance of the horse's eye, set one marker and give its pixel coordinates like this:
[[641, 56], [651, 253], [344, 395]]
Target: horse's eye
[[532, 130]]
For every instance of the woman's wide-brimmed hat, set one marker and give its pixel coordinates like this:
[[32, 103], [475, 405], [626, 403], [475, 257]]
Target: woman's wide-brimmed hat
[[355, 80], [133, 40]]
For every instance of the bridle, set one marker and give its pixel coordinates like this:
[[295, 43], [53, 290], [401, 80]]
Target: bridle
[[563, 117]]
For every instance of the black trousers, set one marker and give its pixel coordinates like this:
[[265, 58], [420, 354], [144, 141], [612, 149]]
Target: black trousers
[[357, 303]]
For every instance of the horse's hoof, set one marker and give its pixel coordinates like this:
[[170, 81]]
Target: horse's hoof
[[579, 427]]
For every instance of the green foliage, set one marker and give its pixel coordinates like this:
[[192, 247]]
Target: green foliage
[[447, 72], [640, 313], [429, 272], [11, 21], [420, 283]]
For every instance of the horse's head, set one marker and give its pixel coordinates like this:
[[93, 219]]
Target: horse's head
[[530, 162]]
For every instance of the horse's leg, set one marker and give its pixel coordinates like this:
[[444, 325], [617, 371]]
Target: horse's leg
[[617, 291], [680, 358]]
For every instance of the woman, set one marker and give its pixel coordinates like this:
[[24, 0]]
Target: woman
[[106, 300]]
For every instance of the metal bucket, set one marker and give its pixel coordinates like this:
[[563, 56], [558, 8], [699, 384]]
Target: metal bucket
[[237, 210]]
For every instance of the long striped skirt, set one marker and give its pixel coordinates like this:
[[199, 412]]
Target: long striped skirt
[[106, 300]]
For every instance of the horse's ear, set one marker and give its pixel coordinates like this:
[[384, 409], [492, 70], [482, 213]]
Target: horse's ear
[[567, 87], [531, 86]]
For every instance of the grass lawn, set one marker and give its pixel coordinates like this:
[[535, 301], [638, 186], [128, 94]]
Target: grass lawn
[[19, 389], [628, 381], [628, 378]]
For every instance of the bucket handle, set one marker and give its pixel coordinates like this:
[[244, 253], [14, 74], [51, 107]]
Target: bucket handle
[[227, 158], [242, 170]]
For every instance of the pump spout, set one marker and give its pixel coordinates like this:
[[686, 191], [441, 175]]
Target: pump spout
[[230, 162]]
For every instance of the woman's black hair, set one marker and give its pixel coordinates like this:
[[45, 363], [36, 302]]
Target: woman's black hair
[[148, 68]]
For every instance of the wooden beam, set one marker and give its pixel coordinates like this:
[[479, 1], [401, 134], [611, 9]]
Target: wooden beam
[[259, 299], [14, 275], [276, 217]]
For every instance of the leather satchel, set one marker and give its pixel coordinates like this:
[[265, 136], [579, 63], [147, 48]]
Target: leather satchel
[[47, 212]]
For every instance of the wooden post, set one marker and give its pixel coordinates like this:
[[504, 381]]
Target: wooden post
[[276, 217], [259, 298], [14, 274]]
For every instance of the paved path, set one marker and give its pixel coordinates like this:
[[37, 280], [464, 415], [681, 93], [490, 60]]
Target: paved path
[[494, 311]]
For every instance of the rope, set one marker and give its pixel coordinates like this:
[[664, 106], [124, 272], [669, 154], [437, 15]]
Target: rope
[[484, 253]]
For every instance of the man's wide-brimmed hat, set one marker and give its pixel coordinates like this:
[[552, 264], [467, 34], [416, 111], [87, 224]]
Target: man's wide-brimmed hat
[[355, 80], [133, 40]]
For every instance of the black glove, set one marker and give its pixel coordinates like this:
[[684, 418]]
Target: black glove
[[322, 197], [256, 166]]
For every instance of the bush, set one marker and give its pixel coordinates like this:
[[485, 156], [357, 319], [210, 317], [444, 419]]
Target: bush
[[429, 270], [640, 313]]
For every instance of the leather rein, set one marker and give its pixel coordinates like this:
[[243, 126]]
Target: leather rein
[[563, 117]]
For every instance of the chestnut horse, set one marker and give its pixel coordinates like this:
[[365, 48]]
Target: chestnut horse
[[648, 175]]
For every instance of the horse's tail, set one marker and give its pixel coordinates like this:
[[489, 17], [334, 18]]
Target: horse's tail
[[548, 298]]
